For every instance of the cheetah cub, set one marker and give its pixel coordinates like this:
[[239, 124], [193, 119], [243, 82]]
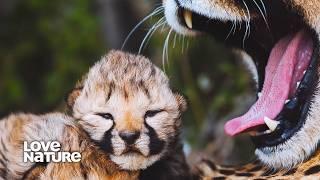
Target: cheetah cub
[[125, 121], [126, 106]]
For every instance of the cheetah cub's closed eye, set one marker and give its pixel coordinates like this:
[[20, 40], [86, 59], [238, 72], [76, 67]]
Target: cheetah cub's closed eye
[[126, 106]]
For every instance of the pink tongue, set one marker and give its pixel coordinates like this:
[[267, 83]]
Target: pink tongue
[[288, 60]]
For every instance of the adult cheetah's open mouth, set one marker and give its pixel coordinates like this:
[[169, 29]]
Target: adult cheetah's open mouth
[[285, 53]]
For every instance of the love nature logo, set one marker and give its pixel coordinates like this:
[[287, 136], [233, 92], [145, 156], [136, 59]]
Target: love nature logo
[[40, 151]]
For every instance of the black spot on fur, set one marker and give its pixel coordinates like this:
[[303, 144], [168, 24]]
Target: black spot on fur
[[292, 171], [109, 94], [156, 145], [153, 71], [111, 89], [105, 143], [244, 174], [3, 173], [227, 166], [3, 156], [256, 168], [269, 173], [3, 145], [125, 94], [144, 89], [2, 163], [312, 170], [219, 178], [226, 171]]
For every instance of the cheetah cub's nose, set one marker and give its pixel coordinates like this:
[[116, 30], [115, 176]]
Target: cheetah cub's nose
[[129, 137]]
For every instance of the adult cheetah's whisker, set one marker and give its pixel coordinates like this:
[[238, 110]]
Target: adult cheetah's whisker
[[262, 14], [264, 8], [231, 30], [174, 40], [165, 49], [188, 41], [248, 18], [156, 11], [150, 32]]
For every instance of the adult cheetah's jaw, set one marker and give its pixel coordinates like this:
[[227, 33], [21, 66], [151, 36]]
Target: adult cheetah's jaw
[[284, 48]]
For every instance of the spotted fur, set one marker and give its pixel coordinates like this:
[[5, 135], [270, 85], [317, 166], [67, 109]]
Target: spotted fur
[[121, 95], [206, 169], [127, 94], [55, 126]]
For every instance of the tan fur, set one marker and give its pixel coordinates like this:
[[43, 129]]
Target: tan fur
[[310, 10], [130, 123], [123, 85], [308, 170], [95, 164], [127, 87]]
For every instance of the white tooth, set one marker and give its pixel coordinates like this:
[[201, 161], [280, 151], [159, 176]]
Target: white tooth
[[304, 71], [268, 131], [187, 15], [259, 94], [298, 83], [287, 101], [262, 133], [272, 124]]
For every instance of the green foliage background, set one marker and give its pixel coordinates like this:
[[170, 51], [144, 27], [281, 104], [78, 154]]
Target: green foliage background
[[46, 46]]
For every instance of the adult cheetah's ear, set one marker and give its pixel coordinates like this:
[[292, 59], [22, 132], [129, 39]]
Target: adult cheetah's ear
[[182, 102]]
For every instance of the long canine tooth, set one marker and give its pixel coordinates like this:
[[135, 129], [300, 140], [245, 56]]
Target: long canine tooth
[[287, 101], [259, 94], [298, 83], [187, 15], [272, 124]]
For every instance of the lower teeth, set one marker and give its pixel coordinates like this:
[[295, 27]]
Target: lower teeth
[[256, 133]]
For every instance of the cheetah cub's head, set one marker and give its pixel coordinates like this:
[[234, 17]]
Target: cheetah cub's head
[[127, 107]]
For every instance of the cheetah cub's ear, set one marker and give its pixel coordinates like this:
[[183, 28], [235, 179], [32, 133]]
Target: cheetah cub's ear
[[183, 105], [72, 96], [75, 93]]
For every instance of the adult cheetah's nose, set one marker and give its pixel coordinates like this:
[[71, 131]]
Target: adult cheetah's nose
[[129, 137]]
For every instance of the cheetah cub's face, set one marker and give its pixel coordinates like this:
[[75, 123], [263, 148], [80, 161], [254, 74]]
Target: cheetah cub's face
[[127, 107]]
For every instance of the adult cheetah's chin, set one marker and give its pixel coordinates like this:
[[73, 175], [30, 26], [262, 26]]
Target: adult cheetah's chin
[[282, 44]]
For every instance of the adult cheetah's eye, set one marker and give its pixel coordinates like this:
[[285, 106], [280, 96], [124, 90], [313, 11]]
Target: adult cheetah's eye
[[106, 116], [152, 113]]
